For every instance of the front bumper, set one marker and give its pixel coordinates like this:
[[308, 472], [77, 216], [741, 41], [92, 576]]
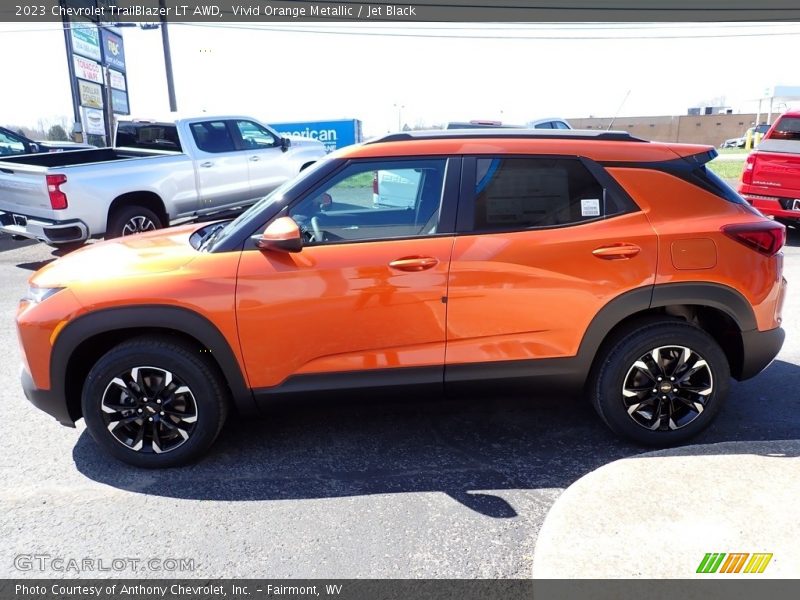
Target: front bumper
[[760, 349], [53, 404], [49, 232]]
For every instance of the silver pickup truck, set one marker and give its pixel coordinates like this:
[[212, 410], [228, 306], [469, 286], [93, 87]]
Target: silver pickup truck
[[157, 173]]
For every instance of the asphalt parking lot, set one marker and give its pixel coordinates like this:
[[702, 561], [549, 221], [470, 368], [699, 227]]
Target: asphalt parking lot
[[419, 488]]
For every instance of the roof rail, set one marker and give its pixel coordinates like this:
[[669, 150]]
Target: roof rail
[[533, 134]]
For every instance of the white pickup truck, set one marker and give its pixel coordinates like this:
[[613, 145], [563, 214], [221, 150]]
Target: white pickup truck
[[157, 173]]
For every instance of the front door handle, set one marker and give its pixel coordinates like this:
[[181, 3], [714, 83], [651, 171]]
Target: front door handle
[[207, 164], [617, 251], [414, 263], [254, 158]]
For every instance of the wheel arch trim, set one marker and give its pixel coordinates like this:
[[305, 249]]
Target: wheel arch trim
[[169, 318], [713, 295]]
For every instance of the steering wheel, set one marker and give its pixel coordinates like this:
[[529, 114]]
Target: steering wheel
[[316, 231]]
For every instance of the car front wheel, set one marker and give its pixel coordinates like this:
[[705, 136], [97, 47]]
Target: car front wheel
[[152, 402], [660, 384]]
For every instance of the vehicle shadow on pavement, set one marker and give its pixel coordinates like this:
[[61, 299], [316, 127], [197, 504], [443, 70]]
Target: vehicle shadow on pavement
[[469, 449]]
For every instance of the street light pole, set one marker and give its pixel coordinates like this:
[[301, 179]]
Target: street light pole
[[399, 108], [173, 105]]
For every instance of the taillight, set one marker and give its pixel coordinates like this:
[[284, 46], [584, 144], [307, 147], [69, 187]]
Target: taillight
[[766, 237], [58, 199], [749, 165]]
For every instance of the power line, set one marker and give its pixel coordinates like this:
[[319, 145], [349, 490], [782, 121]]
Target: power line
[[486, 37]]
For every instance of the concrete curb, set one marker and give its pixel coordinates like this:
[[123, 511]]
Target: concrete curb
[[657, 514]]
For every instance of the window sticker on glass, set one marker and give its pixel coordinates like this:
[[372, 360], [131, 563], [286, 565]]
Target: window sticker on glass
[[590, 207]]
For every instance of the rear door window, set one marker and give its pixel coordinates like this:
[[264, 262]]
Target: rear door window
[[212, 136], [523, 193]]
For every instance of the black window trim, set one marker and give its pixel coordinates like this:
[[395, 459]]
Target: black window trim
[[465, 220]]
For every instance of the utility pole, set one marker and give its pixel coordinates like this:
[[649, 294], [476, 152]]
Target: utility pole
[[173, 105]]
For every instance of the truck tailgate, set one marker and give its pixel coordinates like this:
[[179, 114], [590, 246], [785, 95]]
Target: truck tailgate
[[24, 191], [778, 168]]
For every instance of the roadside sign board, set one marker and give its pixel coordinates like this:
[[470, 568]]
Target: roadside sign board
[[113, 50], [85, 40], [117, 80], [87, 69], [93, 121], [334, 134], [119, 102], [91, 94]]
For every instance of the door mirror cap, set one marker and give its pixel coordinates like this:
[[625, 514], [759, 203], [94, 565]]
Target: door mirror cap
[[282, 235], [285, 143]]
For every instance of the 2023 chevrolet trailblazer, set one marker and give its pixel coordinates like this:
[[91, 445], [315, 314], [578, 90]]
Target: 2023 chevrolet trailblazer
[[590, 260]]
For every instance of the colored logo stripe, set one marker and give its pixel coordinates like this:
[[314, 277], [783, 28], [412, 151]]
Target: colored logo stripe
[[710, 562], [758, 563], [713, 562]]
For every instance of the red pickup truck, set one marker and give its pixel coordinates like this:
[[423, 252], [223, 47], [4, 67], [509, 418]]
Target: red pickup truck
[[771, 175]]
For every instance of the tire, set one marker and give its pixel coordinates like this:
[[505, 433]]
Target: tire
[[128, 383], [680, 408], [128, 220]]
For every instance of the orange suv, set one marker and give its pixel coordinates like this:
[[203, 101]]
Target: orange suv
[[582, 260]]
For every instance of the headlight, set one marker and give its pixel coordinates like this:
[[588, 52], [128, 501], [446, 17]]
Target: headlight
[[37, 294]]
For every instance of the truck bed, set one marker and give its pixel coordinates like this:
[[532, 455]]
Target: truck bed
[[77, 157]]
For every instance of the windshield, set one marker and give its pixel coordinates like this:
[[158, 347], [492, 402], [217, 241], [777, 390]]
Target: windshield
[[247, 218]]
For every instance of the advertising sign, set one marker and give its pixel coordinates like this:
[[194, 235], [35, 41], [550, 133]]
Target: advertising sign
[[113, 50], [93, 122], [334, 134], [85, 40], [119, 102], [116, 79], [91, 94], [87, 69]]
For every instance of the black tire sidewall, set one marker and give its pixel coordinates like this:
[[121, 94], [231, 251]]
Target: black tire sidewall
[[123, 215], [607, 389], [193, 371]]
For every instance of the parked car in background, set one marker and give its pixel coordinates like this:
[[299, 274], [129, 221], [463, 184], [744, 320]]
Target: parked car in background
[[12, 143], [741, 142], [573, 260], [771, 174], [159, 172]]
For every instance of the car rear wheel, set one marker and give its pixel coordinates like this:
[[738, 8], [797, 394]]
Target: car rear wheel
[[129, 220], [660, 384], [152, 402]]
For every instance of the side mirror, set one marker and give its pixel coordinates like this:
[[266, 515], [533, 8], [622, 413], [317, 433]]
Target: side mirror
[[282, 235], [285, 143], [34, 148]]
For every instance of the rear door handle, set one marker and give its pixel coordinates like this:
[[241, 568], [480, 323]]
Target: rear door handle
[[617, 251], [207, 164], [254, 158], [414, 263]]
